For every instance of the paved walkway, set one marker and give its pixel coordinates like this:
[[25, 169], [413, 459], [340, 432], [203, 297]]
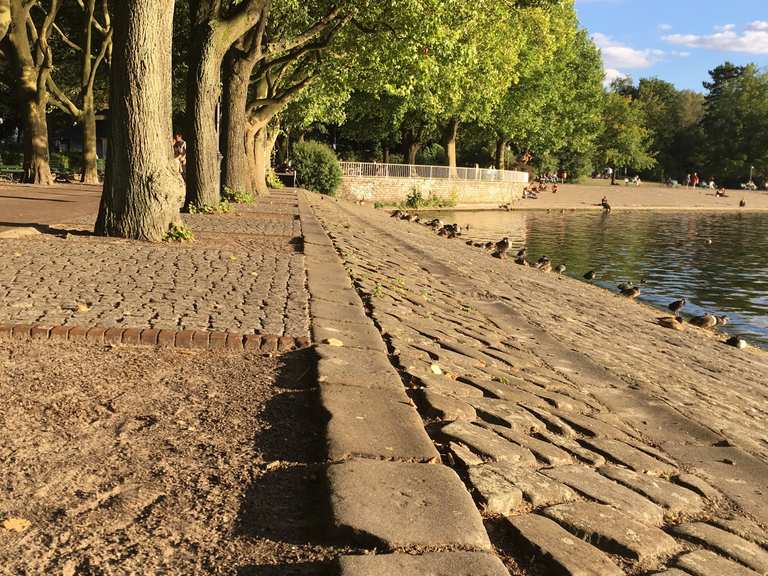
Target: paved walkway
[[244, 273], [593, 440]]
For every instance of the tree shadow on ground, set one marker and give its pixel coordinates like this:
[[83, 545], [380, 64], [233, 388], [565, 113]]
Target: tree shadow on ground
[[287, 503], [48, 230]]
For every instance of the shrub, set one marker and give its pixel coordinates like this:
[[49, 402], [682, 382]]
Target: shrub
[[222, 208], [317, 167], [237, 196], [178, 233], [416, 200], [273, 180]]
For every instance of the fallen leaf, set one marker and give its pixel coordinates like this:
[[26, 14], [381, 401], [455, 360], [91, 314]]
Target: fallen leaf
[[83, 308], [334, 342], [16, 524], [436, 369]]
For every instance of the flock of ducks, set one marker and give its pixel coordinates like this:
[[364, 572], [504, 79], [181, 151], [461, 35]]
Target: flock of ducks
[[629, 290]]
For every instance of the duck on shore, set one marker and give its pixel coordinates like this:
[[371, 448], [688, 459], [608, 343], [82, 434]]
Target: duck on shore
[[677, 305], [544, 264], [708, 321], [560, 269], [501, 248], [631, 292], [672, 322], [737, 342], [590, 276]]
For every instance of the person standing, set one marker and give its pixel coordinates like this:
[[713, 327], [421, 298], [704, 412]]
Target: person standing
[[688, 180], [695, 180], [180, 153]]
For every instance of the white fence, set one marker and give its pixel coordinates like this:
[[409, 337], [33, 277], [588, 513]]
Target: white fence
[[376, 170]]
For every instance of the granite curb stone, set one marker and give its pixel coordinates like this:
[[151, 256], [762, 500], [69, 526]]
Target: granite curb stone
[[429, 564]]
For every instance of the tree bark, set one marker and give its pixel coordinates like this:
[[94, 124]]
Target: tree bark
[[451, 134], [386, 155], [90, 173], [5, 17], [501, 153], [233, 134], [143, 190], [32, 70], [260, 162]]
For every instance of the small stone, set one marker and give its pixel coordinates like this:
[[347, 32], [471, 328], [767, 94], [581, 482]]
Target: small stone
[[14, 524], [436, 369]]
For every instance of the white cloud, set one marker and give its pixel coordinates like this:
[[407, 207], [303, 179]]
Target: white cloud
[[617, 55], [612, 74], [665, 27], [752, 40]]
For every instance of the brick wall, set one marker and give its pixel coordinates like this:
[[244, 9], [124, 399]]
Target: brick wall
[[395, 190]]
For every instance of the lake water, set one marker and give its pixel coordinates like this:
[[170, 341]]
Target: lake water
[[670, 251]]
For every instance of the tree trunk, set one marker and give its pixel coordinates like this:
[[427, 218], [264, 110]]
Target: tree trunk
[[143, 190], [386, 155], [260, 162], [90, 174], [413, 151], [233, 125], [203, 96], [451, 133], [5, 17], [501, 153], [37, 169]]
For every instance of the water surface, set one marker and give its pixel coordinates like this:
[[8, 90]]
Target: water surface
[[670, 251]]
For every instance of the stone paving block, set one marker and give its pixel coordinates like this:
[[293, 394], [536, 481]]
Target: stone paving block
[[446, 386], [6, 330], [612, 531], [445, 408], [401, 505], [148, 337], [563, 553], [463, 456], [727, 544], [629, 456], [488, 444], [496, 494], [114, 336], [362, 336], [184, 339], [674, 498], [706, 563], [38, 332], [552, 422], [77, 333], [698, 485], [600, 488], [200, 339], [352, 367], [572, 447], [21, 331], [217, 341], [284, 344], [671, 572], [321, 310], [744, 528], [429, 564], [166, 338], [60, 333], [132, 336], [374, 424], [234, 342], [269, 344], [592, 427], [96, 334], [537, 489], [544, 451], [514, 416]]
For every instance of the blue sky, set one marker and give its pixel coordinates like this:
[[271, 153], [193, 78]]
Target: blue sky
[[676, 40]]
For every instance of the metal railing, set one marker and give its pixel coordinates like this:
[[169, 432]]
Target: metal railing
[[376, 170]]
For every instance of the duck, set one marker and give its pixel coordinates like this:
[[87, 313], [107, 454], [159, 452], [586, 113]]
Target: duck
[[560, 268], [631, 292], [522, 252], [501, 248], [737, 342], [625, 286], [672, 322], [397, 214], [521, 261], [677, 305], [743, 203], [589, 276], [708, 321], [544, 264]]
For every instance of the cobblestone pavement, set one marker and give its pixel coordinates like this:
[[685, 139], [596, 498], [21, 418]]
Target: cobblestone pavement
[[244, 273], [594, 441]]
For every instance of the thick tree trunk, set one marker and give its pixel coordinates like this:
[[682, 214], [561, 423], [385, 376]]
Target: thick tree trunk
[[203, 96], [501, 153], [412, 150], [143, 190], [386, 155], [233, 125], [90, 173], [451, 134], [37, 169], [5, 17]]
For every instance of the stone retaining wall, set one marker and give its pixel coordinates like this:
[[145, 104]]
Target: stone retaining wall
[[395, 190]]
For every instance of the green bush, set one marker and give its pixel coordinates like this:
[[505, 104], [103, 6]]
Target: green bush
[[273, 180], [317, 167], [415, 200], [237, 196]]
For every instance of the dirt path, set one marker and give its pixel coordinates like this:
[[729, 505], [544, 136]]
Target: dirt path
[[152, 461]]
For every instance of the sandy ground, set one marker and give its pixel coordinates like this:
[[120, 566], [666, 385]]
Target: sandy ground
[[143, 461], [644, 197]]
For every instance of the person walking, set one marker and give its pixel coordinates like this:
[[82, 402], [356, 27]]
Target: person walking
[[688, 180], [695, 180]]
